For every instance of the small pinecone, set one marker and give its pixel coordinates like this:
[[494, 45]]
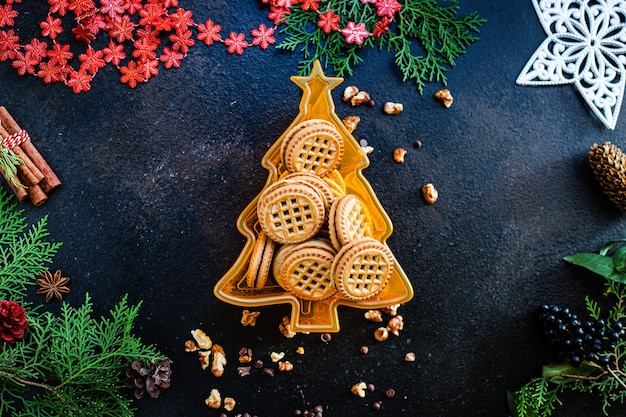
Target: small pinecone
[[608, 164], [148, 378]]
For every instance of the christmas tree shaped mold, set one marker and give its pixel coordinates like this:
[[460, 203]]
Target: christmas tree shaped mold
[[313, 315]]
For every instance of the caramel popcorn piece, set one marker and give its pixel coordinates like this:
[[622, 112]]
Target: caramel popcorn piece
[[359, 389], [381, 334], [395, 324], [374, 315], [215, 399], [362, 97], [248, 318], [398, 155], [349, 92], [300, 350], [285, 366], [392, 108], [204, 342], [229, 403], [444, 97], [204, 358], [391, 310], [409, 357], [430, 193], [285, 328], [351, 122], [277, 356], [190, 346], [218, 361]]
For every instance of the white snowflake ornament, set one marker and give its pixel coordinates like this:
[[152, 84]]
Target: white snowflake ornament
[[586, 46]]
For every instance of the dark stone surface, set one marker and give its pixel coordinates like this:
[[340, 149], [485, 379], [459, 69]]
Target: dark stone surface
[[155, 177]]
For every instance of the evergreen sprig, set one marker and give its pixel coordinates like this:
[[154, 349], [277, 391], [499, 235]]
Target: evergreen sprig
[[9, 162], [69, 364], [23, 252], [425, 36], [539, 396]]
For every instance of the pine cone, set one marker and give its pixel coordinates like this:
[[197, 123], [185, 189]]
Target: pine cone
[[608, 164], [150, 377], [13, 321]]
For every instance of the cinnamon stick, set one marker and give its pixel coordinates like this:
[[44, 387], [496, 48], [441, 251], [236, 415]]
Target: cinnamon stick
[[20, 192], [28, 169], [36, 195], [50, 180]]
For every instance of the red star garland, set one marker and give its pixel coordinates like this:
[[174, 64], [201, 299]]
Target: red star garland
[[142, 34]]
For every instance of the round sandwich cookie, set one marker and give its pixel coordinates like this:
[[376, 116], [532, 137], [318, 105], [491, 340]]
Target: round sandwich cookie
[[362, 268], [260, 262], [349, 219], [306, 273], [316, 182], [316, 149], [291, 213], [277, 264]]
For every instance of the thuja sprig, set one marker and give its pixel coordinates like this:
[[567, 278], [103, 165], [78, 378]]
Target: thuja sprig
[[602, 369], [335, 31], [69, 364]]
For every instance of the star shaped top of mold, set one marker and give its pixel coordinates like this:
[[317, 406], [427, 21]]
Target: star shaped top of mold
[[585, 46]]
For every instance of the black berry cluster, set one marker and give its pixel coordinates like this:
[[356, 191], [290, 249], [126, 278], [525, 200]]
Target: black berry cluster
[[578, 340]]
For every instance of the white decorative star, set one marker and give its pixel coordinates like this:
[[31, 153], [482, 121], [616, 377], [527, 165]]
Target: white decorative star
[[586, 46]]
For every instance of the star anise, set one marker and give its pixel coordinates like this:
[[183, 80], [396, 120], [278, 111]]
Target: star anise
[[53, 285]]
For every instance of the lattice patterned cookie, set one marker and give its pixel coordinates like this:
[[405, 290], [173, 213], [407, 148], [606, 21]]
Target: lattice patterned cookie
[[348, 219], [290, 213], [314, 146], [260, 262], [362, 268], [307, 273]]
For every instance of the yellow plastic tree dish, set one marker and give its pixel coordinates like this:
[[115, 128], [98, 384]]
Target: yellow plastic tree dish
[[313, 316]]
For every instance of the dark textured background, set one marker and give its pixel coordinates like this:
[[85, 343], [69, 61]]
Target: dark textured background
[[155, 177]]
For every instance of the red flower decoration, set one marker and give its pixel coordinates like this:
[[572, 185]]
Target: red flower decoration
[[382, 27], [329, 22], [236, 43], [263, 36], [387, 8], [13, 321], [355, 33], [209, 32]]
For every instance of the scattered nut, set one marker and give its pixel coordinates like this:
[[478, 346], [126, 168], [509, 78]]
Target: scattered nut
[[258, 364], [268, 372], [243, 370], [285, 366], [409, 357], [204, 358], [371, 103], [229, 403], [203, 341], [374, 315], [376, 405], [393, 108], [191, 346], [361, 97], [381, 334], [214, 400], [445, 97], [398, 155], [390, 393], [430, 193], [350, 92], [395, 324], [248, 318], [359, 389], [364, 350], [277, 356], [371, 388], [326, 337], [218, 361], [245, 355], [300, 350], [285, 328], [417, 144], [391, 310], [351, 122]]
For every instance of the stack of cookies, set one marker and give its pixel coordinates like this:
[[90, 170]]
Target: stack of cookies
[[316, 238]]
